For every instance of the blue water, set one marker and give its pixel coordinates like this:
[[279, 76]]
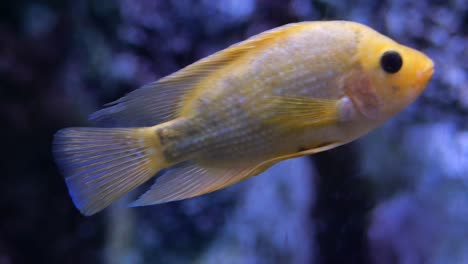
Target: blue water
[[398, 195]]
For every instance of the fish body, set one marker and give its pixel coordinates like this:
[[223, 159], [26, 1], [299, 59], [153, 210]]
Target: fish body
[[295, 90], [240, 103]]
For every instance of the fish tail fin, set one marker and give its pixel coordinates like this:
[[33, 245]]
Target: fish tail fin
[[101, 165]]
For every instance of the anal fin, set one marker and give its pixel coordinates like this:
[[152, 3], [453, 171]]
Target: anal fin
[[189, 181], [193, 179]]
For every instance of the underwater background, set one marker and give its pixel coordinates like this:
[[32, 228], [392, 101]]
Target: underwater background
[[398, 195]]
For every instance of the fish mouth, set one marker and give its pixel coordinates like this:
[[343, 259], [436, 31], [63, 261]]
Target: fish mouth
[[424, 75], [429, 70], [421, 79]]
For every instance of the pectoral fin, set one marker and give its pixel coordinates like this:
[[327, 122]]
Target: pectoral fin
[[303, 111]]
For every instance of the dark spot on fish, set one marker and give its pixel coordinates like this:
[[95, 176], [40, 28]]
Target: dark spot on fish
[[300, 149], [324, 144], [159, 132], [170, 154], [173, 150], [179, 139], [203, 102], [395, 89], [164, 135]]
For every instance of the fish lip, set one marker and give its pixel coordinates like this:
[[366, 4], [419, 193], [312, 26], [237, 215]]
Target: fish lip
[[423, 76], [429, 69], [426, 73]]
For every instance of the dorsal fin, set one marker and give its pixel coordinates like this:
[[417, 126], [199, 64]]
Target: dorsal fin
[[159, 101]]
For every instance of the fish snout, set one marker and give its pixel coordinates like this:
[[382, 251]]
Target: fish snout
[[425, 74], [428, 69]]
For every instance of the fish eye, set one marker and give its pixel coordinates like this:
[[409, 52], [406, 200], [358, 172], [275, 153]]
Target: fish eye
[[391, 61]]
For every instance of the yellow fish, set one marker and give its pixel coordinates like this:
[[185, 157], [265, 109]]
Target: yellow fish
[[291, 91]]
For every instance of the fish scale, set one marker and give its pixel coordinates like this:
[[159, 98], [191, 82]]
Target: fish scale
[[242, 134], [220, 145]]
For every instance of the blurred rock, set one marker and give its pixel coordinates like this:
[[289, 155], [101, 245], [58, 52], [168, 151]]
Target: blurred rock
[[271, 221], [429, 226]]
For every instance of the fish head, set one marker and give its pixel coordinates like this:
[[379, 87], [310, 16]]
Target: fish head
[[396, 74]]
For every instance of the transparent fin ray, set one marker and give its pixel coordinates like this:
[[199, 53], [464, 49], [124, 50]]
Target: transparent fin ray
[[303, 111], [193, 180], [160, 101], [189, 181], [121, 160]]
